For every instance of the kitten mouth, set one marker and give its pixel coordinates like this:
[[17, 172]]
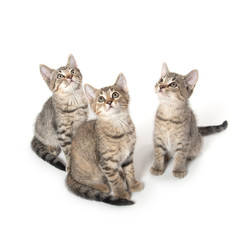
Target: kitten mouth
[[110, 108], [70, 83]]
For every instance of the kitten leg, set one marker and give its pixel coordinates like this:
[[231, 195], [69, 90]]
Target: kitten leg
[[122, 175], [65, 140], [179, 169], [158, 167], [132, 183], [110, 168], [195, 149]]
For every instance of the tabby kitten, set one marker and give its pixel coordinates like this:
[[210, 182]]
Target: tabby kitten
[[176, 133], [61, 114], [102, 147]]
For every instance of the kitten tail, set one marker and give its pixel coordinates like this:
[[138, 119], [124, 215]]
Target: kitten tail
[[92, 194], [41, 150], [204, 131]]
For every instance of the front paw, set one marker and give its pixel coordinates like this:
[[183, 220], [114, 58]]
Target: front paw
[[136, 187], [124, 195], [156, 172], [179, 174]]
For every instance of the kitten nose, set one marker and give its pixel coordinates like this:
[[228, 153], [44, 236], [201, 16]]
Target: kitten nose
[[109, 102], [162, 86], [70, 76]]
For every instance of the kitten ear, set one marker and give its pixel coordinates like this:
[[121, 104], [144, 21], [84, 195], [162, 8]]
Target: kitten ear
[[191, 79], [46, 73], [90, 92], [121, 82], [164, 70], [72, 62]]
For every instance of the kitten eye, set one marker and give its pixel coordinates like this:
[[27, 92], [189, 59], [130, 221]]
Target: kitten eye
[[173, 84], [101, 99], [161, 80], [115, 95], [60, 76], [73, 71]]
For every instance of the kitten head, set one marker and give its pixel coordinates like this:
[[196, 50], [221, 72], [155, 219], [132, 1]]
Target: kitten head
[[109, 101], [172, 86], [63, 80]]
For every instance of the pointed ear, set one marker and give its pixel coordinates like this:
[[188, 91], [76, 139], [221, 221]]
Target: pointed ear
[[191, 79], [46, 73], [121, 82], [72, 62], [90, 92], [164, 70]]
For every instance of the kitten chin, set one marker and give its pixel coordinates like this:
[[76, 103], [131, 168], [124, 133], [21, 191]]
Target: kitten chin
[[111, 112], [71, 86], [118, 120]]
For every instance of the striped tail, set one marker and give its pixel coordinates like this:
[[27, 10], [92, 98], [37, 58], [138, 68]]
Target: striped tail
[[41, 150], [204, 131], [92, 194]]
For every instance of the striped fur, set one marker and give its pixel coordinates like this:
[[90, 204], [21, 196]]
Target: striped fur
[[89, 193], [205, 131], [100, 148], [61, 115], [176, 133], [43, 152]]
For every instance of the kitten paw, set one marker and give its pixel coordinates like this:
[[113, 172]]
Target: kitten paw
[[136, 187], [125, 195], [179, 174], [156, 172]]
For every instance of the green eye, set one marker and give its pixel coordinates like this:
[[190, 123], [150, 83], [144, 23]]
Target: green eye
[[101, 99], [115, 95], [60, 76], [173, 84], [73, 71]]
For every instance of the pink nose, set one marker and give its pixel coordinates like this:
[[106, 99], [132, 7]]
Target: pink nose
[[70, 76], [109, 102]]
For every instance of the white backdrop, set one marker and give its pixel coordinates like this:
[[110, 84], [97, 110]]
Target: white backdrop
[[133, 37]]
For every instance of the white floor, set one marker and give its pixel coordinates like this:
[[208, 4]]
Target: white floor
[[106, 38]]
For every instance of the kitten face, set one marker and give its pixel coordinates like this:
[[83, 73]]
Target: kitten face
[[66, 79], [109, 101], [168, 87], [172, 86], [63, 80]]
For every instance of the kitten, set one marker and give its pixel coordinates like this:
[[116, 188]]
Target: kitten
[[102, 147], [176, 133], [61, 114]]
